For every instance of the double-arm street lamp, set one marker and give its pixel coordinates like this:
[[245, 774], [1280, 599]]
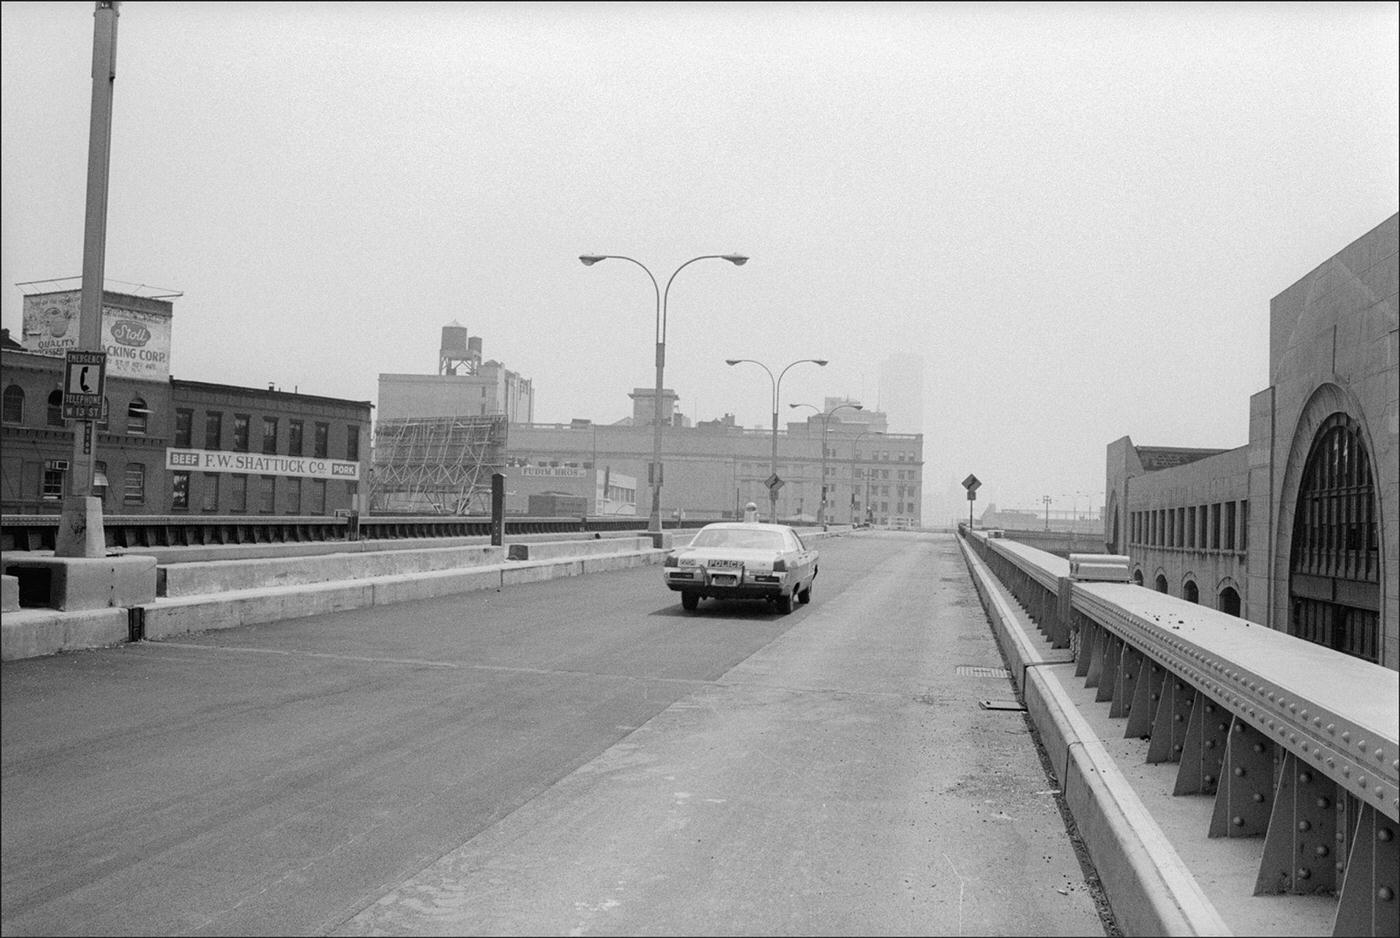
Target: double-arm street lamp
[[869, 515], [738, 260], [826, 425], [773, 481]]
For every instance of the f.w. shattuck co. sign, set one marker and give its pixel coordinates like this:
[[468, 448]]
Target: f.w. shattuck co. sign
[[137, 342], [204, 460]]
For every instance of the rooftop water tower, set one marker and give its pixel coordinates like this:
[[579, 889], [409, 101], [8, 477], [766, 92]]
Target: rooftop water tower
[[459, 355]]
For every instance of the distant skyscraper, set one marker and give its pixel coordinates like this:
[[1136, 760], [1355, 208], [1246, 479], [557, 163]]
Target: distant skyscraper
[[902, 392]]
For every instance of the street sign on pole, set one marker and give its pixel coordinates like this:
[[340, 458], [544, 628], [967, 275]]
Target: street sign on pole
[[84, 382], [774, 483], [971, 483]]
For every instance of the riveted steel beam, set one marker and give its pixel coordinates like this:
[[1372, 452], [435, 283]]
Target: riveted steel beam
[[1129, 667], [1146, 696], [1370, 900], [1206, 736], [1301, 846], [1244, 798], [1108, 676], [1170, 721]]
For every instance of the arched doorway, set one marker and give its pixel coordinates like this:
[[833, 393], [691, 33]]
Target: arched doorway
[[1137, 577], [1228, 601], [1334, 565], [1190, 592], [1161, 584]]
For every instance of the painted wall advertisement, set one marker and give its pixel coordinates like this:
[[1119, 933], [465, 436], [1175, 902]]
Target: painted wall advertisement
[[137, 342], [204, 460]]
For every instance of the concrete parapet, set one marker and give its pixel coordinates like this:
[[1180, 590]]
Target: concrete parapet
[[9, 593], [194, 579], [33, 633], [73, 583], [591, 547]]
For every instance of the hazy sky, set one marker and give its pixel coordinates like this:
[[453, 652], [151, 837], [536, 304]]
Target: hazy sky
[[1076, 214]]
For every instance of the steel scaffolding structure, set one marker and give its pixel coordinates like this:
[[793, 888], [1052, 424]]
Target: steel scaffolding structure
[[437, 465]]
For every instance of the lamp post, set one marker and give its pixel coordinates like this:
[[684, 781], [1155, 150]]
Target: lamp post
[[1046, 500], [854, 444], [826, 425], [773, 481], [738, 260]]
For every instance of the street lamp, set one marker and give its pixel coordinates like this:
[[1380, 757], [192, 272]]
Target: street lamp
[[773, 481], [854, 443], [826, 425], [738, 260]]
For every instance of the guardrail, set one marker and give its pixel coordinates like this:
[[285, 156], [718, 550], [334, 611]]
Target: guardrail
[[1296, 743]]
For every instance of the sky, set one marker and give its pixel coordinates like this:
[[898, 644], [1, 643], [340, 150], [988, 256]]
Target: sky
[[1075, 215]]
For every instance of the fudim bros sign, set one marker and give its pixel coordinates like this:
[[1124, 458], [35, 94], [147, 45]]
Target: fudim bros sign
[[203, 460]]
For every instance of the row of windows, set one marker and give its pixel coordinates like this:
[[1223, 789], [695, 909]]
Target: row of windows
[[12, 411], [213, 438], [299, 496], [1227, 600], [138, 417], [1217, 526]]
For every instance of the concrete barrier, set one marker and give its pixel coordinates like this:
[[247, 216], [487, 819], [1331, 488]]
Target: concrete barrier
[[591, 547], [74, 583], [194, 579], [32, 633], [9, 593]]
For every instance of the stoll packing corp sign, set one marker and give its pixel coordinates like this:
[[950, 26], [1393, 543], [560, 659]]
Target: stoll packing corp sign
[[137, 342], [257, 464]]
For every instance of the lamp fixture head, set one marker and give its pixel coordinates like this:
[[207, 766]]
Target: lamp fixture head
[[738, 260], [590, 259]]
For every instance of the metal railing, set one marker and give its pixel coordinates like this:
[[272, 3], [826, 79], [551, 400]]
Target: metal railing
[[1296, 743]]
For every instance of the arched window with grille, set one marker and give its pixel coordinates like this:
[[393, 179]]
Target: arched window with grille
[[1334, 564], [14, 404], [55, 416]]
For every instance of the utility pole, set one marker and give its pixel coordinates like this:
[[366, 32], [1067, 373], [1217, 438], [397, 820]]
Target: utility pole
[[81, 534]]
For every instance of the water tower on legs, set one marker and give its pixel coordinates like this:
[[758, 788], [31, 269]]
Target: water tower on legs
[[459, 354]]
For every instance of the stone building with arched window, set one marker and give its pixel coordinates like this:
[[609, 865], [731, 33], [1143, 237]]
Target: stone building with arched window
[[1298, 529]]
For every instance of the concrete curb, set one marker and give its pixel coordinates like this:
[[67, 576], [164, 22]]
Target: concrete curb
[[33, 633], [1151, 890]]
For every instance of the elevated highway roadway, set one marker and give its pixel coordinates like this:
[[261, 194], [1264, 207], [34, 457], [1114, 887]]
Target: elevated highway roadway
[[575, 756]]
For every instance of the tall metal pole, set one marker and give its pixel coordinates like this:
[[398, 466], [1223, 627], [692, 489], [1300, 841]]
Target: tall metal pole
[[777, 383], [81, 534], [738, 260]]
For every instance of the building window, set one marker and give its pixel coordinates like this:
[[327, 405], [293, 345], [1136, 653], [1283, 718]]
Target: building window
[[352, 443], [213, 430], [105, 420], [51, 489], [134, 487], [294, 495], [240, 433], [318, 496], [99, 480], [179, 491], [55, 416], [1334, 559], [269, 434], [184, 427], [294, 435], [323, 441], [136, 417], [211, 492], [267, 504], [238, 493], [14, 404], [1190, 592]]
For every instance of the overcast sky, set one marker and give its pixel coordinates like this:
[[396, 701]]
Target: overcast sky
[[1075, 214]]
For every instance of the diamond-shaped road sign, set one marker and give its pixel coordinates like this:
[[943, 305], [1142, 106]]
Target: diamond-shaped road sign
[[774, 483], [971, 483]]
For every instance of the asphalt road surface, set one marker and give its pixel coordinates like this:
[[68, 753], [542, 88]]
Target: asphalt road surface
[[574, 757]]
